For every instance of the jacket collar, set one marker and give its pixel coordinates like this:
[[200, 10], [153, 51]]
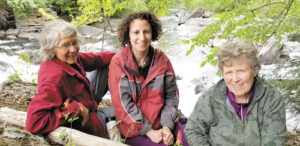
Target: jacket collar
[[130, 64], [67, 68]]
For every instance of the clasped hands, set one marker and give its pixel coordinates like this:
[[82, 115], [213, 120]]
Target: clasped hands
[[164, 134]]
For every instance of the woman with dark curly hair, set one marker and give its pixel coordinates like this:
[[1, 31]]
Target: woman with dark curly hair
[[143, 85]]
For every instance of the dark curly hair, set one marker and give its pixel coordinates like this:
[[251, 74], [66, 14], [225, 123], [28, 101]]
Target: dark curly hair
[[124, 26]]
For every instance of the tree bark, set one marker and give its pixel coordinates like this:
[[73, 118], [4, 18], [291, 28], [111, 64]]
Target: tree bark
[[78, 138]]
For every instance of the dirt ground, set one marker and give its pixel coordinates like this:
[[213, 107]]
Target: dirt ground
[[17, 95]]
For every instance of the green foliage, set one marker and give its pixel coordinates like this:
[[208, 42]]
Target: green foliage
[[191, 4], [15, 76], [64, 7], [23, 7], [96, 10], [3, 4], [64, 133], [254, 20], [291, 92], [160, 7]]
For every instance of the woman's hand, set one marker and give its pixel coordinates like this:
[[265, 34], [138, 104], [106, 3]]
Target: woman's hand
[[167, 136], [155, 135], [84, 112]]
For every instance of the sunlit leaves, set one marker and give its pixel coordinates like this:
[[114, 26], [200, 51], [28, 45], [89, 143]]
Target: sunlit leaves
[[96, 10], [160, 7]]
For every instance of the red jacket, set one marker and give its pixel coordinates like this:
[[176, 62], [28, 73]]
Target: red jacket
[[58, 83], [142, 104]]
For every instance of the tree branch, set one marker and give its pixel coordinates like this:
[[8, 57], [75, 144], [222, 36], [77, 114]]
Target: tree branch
[[287, 11], [265, 6]]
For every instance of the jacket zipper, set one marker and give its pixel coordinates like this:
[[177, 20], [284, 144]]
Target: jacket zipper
[[243, 120]]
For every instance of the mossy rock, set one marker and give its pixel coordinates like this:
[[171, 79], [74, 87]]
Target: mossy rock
[[295, 37]]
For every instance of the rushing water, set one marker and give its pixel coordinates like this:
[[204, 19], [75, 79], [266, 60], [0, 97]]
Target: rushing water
[[187, 68]]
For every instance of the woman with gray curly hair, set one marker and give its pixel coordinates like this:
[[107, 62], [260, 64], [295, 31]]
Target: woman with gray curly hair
[[242, 108], [63, 88]]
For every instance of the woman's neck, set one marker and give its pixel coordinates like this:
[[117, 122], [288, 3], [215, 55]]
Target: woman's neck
[[242, 99], [141, 57]]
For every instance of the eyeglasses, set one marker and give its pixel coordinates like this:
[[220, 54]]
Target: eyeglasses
[[67, 46]]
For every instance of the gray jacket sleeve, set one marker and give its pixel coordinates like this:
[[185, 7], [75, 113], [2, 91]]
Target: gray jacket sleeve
[[169, 112], [273, 129], [199, 122], [131, 108]]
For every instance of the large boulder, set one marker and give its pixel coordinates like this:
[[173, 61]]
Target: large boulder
[[269, 52], [186, 15]]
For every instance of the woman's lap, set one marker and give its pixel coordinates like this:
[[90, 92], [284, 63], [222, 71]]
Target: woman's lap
[[145, 141]]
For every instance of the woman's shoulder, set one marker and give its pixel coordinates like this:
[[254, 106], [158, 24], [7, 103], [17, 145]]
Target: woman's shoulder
[[50, 71], [263, 87]]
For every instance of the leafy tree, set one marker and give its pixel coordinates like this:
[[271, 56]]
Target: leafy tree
[[96, 10], [256, 20], [22, 7]]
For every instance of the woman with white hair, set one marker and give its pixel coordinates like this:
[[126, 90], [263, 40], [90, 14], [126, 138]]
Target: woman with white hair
[[242, 108], [63, 88]]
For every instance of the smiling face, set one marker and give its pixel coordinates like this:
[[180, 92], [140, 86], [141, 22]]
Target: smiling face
[[67, 49], [140, 34], [238, 77]]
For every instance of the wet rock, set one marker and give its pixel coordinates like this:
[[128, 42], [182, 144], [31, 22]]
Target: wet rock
[[178, 77], [2, 33], [33, 22], [5, 48], [89, 31], [4, 66], [12, 32], [206, 15], [12, 37], [186, 15], [29, 36], [269, 52], [199, 88]]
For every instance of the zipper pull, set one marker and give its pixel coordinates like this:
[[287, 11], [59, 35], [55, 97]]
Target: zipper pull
[[243, 126]]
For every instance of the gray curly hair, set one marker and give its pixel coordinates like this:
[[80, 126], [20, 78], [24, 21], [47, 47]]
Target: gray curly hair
[[50, 37], [237, 48]]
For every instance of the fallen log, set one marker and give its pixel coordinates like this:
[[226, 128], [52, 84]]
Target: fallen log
[[78, 138]]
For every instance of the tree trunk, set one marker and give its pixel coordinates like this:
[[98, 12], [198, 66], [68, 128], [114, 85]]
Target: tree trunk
[[78, 138]]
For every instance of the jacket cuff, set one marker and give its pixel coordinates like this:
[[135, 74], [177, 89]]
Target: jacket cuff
[[169, 124], [146, 126]]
